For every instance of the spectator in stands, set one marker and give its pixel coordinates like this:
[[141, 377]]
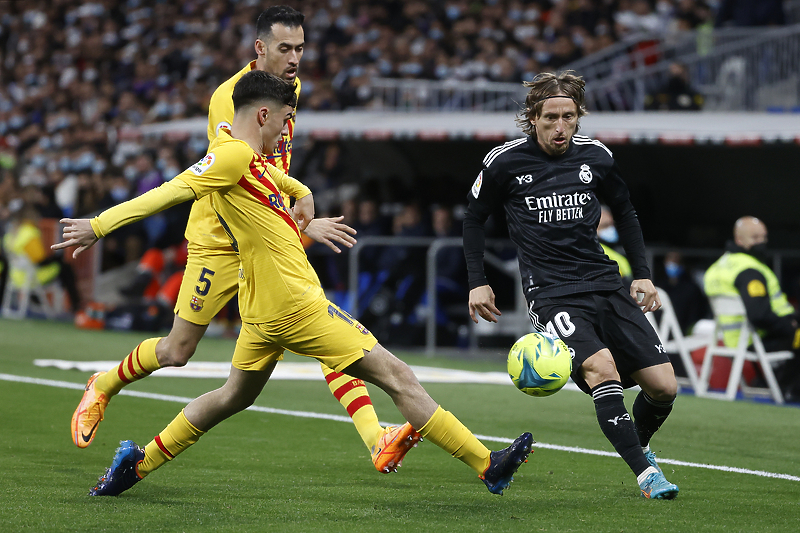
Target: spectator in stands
[[688, 300], [609, 238], [742, 271], [751, 13], [677, 94]]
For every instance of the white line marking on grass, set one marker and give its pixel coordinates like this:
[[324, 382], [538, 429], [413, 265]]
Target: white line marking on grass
[[340, 418]]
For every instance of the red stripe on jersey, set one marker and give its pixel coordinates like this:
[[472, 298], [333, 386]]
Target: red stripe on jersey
[[162, 447], [357, 404], [258, 195], [286, 141], [121, 370], [347, 387]]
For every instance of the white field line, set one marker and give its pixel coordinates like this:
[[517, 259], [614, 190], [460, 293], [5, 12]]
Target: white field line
[[340, 418]]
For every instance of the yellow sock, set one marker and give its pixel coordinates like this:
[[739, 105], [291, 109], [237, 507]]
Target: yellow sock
[[444, 430], [138, 364], [176, 437], [353, 395]]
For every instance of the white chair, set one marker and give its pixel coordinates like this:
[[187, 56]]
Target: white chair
[[733, 306], [673, 340], [17, 297]]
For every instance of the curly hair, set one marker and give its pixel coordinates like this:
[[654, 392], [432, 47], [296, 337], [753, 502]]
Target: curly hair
[[545, 85]]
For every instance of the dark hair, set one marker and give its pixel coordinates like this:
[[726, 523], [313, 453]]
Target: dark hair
[[285, 15], [257, 86], [545, 85]]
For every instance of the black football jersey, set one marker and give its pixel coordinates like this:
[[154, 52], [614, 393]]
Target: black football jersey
[[552, 207]]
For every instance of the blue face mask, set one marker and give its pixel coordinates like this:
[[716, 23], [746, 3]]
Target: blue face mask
[[609, 235], [673, 270]]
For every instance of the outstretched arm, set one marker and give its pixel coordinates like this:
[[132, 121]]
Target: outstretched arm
[[83, 233]]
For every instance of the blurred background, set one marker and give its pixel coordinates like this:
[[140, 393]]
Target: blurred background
[[102, 101]]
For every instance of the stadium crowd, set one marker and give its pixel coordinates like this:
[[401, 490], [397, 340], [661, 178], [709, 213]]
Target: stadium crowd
[[75, 75]]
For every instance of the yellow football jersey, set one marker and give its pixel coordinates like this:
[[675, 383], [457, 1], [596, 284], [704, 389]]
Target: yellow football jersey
[[203, 228], [276, 278]]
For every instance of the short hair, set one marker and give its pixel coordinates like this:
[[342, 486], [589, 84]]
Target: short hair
[[285, 15], [545, 85], [258, 86]]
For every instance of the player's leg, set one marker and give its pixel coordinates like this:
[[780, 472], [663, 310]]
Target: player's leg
[[253, 363], [210, 280], [387, 446], [654, 403], [393, 376], [132, 463]]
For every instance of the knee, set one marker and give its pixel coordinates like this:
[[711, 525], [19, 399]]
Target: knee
[[665, 391], [175, 351], [599, 369]]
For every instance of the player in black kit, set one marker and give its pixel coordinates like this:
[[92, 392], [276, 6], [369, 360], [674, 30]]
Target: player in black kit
[[551, 184]]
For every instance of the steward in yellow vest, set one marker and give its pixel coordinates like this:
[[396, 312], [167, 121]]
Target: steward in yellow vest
[[741, 272]]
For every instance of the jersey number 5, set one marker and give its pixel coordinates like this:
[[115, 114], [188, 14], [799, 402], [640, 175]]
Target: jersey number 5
[[205, 282]]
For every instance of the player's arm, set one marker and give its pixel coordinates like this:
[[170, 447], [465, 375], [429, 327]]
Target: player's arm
[[83, 233], [615, 193], [482, 197], [752, 287]]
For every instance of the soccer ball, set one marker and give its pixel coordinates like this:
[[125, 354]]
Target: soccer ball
[[539, 364]]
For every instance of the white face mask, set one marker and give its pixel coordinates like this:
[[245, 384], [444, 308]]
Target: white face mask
[[609, 234]]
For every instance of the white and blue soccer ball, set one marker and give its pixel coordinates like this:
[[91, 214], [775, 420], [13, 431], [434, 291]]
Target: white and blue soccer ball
[[539, 364]]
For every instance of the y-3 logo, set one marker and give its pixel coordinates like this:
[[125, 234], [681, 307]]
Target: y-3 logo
[[616, 419]]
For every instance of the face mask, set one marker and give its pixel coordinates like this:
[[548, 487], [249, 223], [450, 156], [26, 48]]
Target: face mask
[[119, 194], [758, 250], [609, 234], [673, 270], [130, 173]]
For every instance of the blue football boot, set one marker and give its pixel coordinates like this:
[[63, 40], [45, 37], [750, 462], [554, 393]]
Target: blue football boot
[[655, 486], [504, 463], [122, 474]]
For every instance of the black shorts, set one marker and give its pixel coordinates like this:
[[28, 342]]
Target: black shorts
[[589, 322]]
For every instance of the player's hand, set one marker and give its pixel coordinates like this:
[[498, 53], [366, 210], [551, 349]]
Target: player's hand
[[481, 301], [645, 294], [303, 211], [77, 232], [327, 230]]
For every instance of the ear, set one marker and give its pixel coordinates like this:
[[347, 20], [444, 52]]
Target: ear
[[261, 48], [263, 115]]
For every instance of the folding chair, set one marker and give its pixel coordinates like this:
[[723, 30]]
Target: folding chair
[[17, 297], [673, 340], [733, 306]]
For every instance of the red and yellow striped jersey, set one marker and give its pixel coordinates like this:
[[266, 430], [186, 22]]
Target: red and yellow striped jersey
[[203, 228], [244, 192]]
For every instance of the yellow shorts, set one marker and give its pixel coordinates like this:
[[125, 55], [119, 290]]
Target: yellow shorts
[[209, 282], [320, 330]]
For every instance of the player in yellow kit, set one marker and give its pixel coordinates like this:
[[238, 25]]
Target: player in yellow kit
[[282, 305], [212, 269]]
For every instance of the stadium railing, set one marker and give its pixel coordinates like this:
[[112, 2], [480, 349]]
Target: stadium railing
[[736, 69]]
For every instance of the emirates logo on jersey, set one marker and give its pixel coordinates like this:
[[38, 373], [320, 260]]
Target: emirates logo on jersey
[[585, 174]]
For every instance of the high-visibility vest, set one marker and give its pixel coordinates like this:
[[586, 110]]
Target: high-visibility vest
[[719, 281], [21, 241], [624, 266]]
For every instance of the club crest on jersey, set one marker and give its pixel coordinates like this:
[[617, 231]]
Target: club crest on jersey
[[196, 304], [476, 187], [203, 165], [585, 174], [362, 329]]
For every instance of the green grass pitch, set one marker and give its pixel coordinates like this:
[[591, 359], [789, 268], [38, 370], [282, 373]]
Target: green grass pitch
[[274, 472]]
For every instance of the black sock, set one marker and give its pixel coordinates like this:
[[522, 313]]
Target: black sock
[[648, 416], [617, 425]]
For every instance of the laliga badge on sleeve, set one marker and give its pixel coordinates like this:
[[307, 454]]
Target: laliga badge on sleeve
[[203, 165], [476, 187]]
